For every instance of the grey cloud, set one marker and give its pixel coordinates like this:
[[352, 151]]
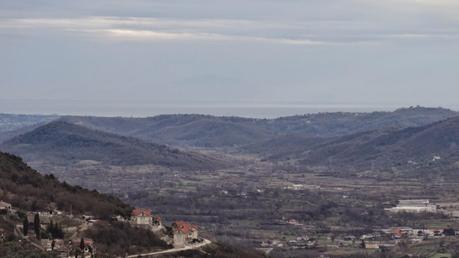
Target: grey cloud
[[369, 52]]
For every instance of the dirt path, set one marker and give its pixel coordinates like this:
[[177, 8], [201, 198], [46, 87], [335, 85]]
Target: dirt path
[[173, 250]]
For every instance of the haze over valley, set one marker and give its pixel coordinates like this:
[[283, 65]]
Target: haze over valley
[[229, 129]]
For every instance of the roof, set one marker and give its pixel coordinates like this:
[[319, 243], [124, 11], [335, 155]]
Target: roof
[[140, 212], [184, 227], [413, 202], [86, 241]]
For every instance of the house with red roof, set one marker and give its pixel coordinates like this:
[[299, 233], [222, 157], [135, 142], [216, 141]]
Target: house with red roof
[[145, 218], [84, 248], [184, 233], [140, 216]]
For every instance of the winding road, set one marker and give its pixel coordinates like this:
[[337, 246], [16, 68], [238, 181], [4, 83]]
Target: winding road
[[173, 250]]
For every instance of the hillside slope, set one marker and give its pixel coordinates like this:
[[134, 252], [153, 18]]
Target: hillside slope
[[212, 131], [339, 124], [11, 122], [62, 143], [437, 143], [26, 189], [29, 191], [182, 130]]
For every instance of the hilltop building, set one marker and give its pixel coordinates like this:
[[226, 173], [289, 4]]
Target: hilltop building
[[184, 233], [414, 206]]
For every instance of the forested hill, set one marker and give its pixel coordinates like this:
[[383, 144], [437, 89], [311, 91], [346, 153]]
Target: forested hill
[[429, 146], [61, 142], [214, 131], [437, 143], [25, 188]]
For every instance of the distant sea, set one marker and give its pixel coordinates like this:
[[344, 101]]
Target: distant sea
[[243, 109]]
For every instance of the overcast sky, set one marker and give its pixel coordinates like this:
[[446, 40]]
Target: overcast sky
[[140, 57]]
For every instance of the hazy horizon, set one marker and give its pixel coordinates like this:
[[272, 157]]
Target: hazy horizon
[[141, 57], [241, 109]]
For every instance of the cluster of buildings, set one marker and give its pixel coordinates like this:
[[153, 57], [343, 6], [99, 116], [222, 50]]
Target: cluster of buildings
[[84, 247], [76, 247], [387, 238], [382, 239], [182, 233], [301, 242], [390, 237]]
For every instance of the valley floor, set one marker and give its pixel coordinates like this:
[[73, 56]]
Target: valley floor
[[287, 211]]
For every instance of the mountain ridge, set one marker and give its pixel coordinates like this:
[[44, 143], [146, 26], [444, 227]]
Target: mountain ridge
[[213, 131], [60, 141], [413, 146]]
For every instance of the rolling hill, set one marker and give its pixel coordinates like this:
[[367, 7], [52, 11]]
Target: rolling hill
[[340, 124], [61, 142], [437, 143], [11, 122], [217, 132], [212, 131], [182, 130]]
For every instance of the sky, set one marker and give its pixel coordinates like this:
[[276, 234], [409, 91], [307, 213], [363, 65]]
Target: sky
[[230, 57]]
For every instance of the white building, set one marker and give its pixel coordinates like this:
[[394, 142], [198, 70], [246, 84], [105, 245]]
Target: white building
[[5, 207], [184, 233], [141, 216], [414, 206]]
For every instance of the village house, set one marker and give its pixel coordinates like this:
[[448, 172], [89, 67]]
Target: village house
[[371, 245], [5, 208], [184, 233], [414, 206], [141, 216], [88, 250], [57, 245], [45, 219], [145, 218], [398, 232]]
